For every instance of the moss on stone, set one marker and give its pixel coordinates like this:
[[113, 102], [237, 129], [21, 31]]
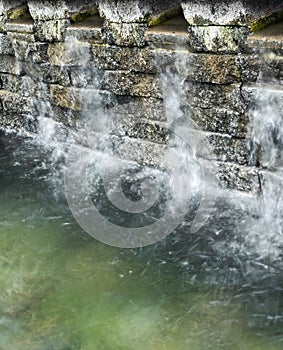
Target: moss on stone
[[17, 12], [78, 17], [162, 17], [264, 22]]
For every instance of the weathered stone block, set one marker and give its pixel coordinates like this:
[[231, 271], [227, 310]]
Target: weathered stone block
[[109, 57], [220, 120], [69, 53], [217, 39], [6, 47], [13, 102], [30, 51], [213, 95], [124, 34], [229, 149], [68, 117], [78, 99], [133, 11], [267, 67], [132, 84], [9, 64], [25, 86], [20, 26], [238, 177], [25, 124], [221, 12], [85, 76], [214, 12], [45, 73], [90, 30], [216, 69], [42, 10], [217, 108], [139, 108], [52, 30]]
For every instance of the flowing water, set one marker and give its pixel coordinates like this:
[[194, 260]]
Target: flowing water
[[61, 289], [219, 288]]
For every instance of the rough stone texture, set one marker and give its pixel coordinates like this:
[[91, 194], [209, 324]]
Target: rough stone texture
[[217, 39], [52, 30], [238, 177], [222, 12], [6, 47], [132, 11], [53, 10], [124, 34], [109, 57], [127, 83], [9, 64]]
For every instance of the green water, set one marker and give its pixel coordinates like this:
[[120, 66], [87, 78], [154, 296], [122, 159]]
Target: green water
[[61, 289]]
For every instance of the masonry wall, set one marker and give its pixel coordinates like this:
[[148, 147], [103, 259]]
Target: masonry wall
[[59, 58]]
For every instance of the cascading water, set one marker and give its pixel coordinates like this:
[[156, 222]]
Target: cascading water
[[217, 288]]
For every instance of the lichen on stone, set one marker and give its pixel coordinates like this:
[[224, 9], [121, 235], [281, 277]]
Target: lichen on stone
[[17, 12], [80, 16], [163, 16], [264, 22]]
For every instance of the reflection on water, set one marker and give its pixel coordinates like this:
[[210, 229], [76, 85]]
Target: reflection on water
[[61, 289]]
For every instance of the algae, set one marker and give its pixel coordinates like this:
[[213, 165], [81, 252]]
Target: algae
[[264, 22]]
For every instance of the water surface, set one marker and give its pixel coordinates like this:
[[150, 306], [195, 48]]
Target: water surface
[[61, 289]]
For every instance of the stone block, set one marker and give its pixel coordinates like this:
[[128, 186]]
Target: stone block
[[25, 124], [24, 86], [14, 102], [9, 64], [214, 12], [35, 52], [6, 47], [228, 149], [217, 39], [144, 108], [124, 34], [198, 67], [109, 57], [51, 30], [222, 12], [53, 10], [69, 53], [68, 117], [45, 73], [208, 96], [78, 99], [89, 30], [216, 108], [133, 11], [266, 67], [241, 178], [131, 84]]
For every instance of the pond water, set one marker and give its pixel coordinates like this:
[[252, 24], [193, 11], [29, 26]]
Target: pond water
[[61, 289]]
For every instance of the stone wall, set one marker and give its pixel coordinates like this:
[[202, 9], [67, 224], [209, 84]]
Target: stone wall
[[59, 58]]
